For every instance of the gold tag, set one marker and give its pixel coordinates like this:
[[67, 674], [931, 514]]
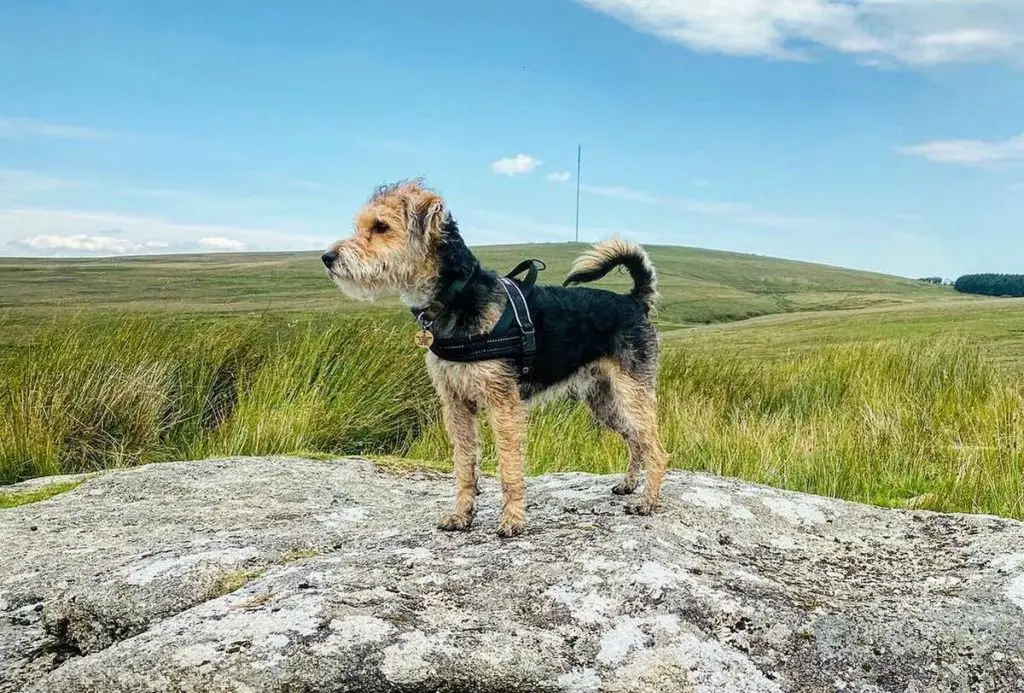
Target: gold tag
[[423, 339]]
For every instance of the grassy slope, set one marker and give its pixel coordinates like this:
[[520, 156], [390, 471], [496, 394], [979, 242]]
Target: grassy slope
[[996, 325], [698, 286]]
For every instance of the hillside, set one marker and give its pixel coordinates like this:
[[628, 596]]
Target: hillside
[[997, 325], [698, 286]]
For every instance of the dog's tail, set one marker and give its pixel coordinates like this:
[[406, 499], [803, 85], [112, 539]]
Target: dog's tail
[[605, 256]]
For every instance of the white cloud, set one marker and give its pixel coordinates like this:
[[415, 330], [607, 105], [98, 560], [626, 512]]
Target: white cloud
[[969, 152], [22, 128], [559, 177], [221, 243], [515, 165], [80, 243], [912, 32], [736, 211], [137, 234]]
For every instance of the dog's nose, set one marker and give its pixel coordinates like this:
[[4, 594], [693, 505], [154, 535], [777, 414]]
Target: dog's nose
[[329, 257]]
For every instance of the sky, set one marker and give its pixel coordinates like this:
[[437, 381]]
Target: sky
[[885, 135]]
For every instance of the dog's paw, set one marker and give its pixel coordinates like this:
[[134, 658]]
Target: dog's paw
[[624, 488], [510, 528], [455, 523], [644, 507]]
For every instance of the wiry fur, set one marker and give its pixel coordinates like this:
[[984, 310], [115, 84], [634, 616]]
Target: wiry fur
[[606, 256], [597, 346]]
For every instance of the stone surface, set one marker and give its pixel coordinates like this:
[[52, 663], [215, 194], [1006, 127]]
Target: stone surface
[[293, 575]]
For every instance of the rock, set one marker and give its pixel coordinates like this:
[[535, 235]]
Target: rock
[[251, 575]]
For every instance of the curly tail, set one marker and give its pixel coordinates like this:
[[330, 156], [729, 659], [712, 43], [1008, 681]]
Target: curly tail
[[605, 256]]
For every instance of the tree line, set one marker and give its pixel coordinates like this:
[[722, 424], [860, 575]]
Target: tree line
[[991, 284]]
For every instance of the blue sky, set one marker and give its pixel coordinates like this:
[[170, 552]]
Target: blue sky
[[877, 134]]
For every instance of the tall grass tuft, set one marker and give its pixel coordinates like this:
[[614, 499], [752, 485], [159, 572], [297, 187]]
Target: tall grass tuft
[[902, 424], [89, 396], [899, 423]]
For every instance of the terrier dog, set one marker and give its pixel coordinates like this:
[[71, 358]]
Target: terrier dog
[[597, 346]]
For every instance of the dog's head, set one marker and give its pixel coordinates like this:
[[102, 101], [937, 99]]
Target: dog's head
[[393, 246]]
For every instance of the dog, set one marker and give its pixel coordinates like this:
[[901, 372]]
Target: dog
[[597, 346]]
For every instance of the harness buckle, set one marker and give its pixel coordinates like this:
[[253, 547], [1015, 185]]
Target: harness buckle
[[423, 322]]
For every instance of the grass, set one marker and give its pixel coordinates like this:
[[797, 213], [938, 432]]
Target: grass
[[935, 423], [15, 499], [914, 399], [90, 396], [996, 325], [698, 286]]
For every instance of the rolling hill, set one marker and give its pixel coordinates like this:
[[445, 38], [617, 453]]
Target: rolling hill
[[698, 286]]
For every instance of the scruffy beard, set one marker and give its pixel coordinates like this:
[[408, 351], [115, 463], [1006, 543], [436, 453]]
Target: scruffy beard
[[412, 292], [355, 291]]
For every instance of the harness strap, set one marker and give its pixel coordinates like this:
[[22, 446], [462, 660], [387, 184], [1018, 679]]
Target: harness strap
[[527, 286], [504, 341], [521, 311]]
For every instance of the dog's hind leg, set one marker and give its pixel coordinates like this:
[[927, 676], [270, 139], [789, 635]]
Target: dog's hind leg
[[460, 423], [627, 404], [605, 408]]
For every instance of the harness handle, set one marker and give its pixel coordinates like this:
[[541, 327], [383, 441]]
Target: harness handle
[[531, 272]]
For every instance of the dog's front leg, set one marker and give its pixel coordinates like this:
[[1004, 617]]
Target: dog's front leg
[[460, 422], [508, 422]]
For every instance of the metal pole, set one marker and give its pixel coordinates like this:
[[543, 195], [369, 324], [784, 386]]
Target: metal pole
[[579, 153]]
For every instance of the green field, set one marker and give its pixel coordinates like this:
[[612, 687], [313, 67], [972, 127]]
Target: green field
[[995, 325], [699, 286], [845, 383]]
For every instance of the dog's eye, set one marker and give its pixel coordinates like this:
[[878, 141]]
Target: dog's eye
[[379, 227]]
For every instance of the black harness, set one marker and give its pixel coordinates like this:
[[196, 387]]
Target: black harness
[[512, 337]]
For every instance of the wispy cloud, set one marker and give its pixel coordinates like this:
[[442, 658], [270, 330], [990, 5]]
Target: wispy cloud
[[80, 242], [620, 192], [515, 165], [23, 128], [878, 32], [109, 244], [15, 182], [52, 231], [221, 243], [968, 152], [559, 177], [736, 211], [485, 226]]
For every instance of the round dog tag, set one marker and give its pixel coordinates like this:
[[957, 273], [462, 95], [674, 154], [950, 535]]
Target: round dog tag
[[424, 339]]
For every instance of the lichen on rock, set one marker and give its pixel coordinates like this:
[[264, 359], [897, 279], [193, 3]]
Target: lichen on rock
[[131, 583]]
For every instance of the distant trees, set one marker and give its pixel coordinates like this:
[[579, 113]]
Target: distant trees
[[991, 284], [931, 280]]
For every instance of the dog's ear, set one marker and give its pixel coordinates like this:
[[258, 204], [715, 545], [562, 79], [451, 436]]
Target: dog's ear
[[426, 216]]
